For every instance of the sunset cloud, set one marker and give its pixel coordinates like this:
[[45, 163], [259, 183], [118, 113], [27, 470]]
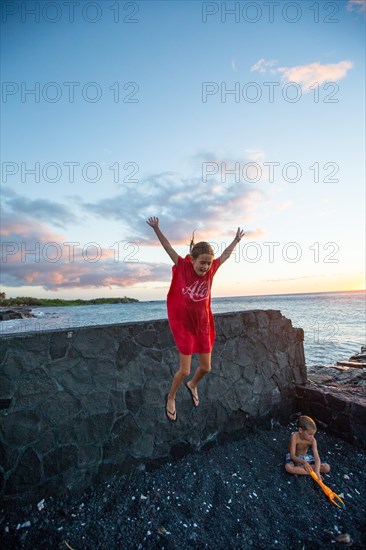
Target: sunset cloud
[[306, 75], [82, 274], [218, 207], [32, 254], [282, 279], [26, 229]]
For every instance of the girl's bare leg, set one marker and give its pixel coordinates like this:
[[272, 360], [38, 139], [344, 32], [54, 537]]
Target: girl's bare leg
[[180, 375], [203, 369]]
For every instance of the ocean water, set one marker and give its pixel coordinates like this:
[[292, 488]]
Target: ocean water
[[334, 322]]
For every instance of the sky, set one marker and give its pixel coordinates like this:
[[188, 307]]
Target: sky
[[208, 115]]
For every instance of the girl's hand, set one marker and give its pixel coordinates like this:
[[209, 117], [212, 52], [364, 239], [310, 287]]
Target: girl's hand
[[239, 234], [153, 221]]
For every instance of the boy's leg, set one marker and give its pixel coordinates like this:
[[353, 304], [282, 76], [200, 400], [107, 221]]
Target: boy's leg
[[203, 369], [296, 470], [180, 375], [300, 470]]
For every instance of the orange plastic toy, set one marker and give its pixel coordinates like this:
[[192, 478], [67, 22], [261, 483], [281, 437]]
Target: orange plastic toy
[[330, 494]]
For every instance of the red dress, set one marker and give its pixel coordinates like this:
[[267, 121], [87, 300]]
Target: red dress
[[189, 307]]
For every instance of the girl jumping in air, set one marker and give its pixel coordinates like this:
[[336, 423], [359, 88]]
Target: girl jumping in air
[[189, 310]]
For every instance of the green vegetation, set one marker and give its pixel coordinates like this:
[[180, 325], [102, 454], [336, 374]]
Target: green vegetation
[[45, 302]]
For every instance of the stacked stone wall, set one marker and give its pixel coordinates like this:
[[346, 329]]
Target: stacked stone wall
[[79, 406], [339, 411]]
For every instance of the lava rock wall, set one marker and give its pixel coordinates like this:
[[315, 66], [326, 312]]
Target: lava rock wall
[[337, 410], [79, 406]]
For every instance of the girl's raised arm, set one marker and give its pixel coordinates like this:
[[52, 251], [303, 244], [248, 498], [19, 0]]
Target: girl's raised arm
[[154, 223], [227, 252]]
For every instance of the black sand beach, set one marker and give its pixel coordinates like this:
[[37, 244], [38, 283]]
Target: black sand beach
[[235, 495]]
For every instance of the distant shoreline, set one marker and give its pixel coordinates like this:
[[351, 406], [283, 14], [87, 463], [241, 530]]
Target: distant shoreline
[[58, 302], [21, 301]]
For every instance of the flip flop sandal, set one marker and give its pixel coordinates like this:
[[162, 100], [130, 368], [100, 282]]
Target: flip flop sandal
[[174, 414], [195, 400]]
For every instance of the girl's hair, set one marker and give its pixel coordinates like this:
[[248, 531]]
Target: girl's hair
[[307, 423], [200, 248]]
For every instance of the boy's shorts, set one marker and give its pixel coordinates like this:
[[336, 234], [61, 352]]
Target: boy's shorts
[[308, 457]]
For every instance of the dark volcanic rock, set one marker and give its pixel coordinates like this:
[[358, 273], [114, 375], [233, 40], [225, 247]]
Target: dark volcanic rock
[[233, 496], [103, 388], [336, 396], [7, 314]]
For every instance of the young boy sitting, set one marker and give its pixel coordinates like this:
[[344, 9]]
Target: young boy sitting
[[303, 450]]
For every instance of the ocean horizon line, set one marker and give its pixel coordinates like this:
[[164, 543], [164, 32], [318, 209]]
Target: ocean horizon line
[[270, 295]]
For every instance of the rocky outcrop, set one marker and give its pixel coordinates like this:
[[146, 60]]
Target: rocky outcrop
[[81, 405], [335, 396], [7, 314], [357, 360], [346, 379]]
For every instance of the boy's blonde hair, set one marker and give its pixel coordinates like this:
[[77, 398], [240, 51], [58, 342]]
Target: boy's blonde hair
[[200, 248], [306, 423]]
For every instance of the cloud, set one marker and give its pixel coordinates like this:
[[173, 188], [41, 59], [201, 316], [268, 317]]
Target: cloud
[[234, 65], [356, 5], [213, 207], [262, 66], [39, 209], [26, 229], [254, 233], [34, 255], [82, 274], [306, 75], [282, 279]]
